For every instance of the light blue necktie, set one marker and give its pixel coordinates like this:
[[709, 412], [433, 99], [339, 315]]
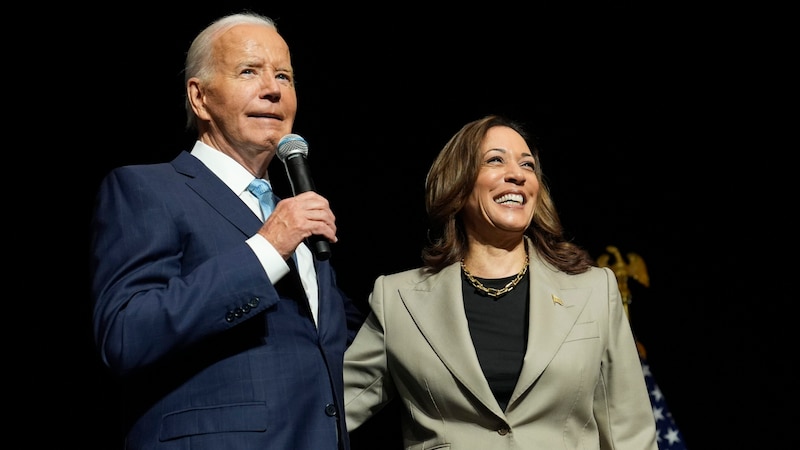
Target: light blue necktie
[[263, 192]]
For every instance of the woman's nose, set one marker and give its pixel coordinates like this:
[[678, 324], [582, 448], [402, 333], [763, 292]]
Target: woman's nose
[[515, 174]]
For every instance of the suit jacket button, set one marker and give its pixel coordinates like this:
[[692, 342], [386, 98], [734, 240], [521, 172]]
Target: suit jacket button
[[330, 410], [503, 431], [229, 317]]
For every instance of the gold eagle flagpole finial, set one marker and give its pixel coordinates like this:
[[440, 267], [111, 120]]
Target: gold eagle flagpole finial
[[635, 268]]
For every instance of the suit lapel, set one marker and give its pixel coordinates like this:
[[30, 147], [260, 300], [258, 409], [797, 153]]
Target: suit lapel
[[555, 304], [201, 180], [554, 307], [440, 297]]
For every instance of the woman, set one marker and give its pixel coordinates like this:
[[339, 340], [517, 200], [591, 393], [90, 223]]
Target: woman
[[509, 336]]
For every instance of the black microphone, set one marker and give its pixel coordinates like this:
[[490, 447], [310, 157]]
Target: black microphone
[[292, 150]]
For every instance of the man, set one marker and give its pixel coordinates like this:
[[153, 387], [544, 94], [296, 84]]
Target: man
[[218, 339]]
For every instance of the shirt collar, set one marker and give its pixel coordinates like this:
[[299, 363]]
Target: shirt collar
[[233, 174]]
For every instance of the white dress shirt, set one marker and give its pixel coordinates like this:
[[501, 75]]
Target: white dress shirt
[[238, 178]]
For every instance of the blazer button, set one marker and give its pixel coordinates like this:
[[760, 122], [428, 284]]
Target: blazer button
[[503, 431], [330, 410], [229, 317]]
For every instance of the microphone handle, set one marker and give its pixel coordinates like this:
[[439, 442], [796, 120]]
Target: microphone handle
[[300, 179], [321, 247]]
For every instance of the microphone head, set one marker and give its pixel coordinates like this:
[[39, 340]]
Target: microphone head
[[292, 144]]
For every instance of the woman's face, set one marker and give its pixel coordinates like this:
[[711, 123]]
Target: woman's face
[[504, 196]]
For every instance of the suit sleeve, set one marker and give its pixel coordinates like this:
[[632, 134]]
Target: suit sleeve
[[368, 386], [150, 298], [622, 404]]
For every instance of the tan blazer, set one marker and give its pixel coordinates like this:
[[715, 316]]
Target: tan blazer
[[581, 385]]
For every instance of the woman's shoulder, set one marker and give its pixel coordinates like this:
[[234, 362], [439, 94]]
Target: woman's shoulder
[[592, 275], [416, 275], [410, 275]]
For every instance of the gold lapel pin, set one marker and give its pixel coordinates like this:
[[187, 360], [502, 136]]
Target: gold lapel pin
[[557, 300]]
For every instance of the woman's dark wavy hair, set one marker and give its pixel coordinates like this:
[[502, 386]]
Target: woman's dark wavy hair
[[449, 183]]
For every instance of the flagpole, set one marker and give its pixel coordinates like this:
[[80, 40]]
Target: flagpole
[[669, 436]]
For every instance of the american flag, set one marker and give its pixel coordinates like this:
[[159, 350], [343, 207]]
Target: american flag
[[669, 436]]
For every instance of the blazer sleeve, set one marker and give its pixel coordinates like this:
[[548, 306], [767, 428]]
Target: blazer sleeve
[[622, 404], [368, 386], [156, 288]]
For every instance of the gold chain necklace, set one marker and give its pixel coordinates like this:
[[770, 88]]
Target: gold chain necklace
[[493, 292]]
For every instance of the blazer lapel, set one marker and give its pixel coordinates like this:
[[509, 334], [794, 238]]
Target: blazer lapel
[[554, 308], [208, 186], [440, 297]]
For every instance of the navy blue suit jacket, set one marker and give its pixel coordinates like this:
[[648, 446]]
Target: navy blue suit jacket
[[209, 353]]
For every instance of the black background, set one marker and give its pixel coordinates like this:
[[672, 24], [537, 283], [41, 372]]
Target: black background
[[652, 122]]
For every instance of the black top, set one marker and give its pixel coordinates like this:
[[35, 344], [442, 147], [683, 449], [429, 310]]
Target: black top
[[499, 329]]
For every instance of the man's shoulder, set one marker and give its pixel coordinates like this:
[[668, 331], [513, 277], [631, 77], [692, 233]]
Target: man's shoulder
[[182, 163]]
